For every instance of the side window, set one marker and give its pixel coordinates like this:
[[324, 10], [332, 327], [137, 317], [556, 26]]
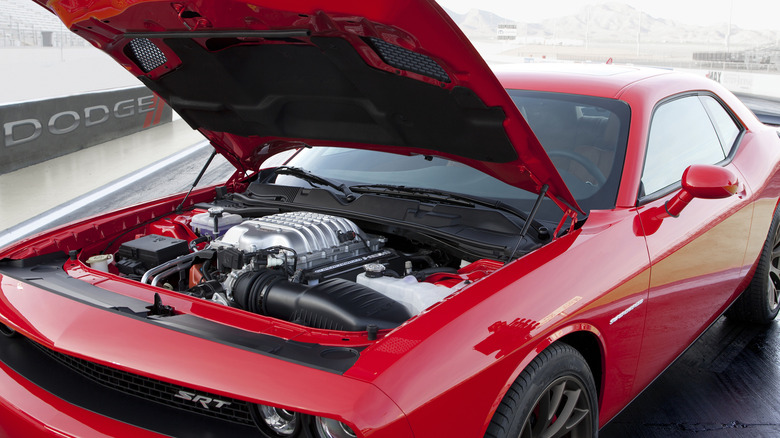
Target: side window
[[681, 134], [727, 129]]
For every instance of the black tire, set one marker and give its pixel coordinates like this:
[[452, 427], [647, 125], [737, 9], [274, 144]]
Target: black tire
[[760, 302], [557, 384]]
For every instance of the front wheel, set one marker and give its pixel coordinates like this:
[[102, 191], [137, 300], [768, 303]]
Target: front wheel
[[554, 397]]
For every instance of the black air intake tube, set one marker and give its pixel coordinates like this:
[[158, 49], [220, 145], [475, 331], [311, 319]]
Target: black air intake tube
[[334, 304]]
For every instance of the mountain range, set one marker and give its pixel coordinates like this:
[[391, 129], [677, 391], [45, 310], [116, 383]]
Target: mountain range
[[612, 22]]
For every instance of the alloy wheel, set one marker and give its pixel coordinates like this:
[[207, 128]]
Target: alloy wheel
[[562, 410], [773, 285]]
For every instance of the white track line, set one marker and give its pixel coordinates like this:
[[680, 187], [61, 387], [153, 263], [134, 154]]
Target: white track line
[[70, 207]]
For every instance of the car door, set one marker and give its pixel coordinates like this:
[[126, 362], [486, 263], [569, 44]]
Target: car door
[[696, 257]]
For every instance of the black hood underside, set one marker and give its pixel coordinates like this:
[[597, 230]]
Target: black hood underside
[[322, 89]]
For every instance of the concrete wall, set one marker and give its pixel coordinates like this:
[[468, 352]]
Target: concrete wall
[[36, 131], [755, 84]]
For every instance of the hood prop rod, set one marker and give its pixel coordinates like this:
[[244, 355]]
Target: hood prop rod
[[530, 219], [197, 180]]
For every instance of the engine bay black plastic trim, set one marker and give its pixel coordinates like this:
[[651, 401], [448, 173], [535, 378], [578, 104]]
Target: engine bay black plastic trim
[[46, 273], [478, 231]]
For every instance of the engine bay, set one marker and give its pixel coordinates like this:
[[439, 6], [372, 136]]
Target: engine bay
[[314, 269]]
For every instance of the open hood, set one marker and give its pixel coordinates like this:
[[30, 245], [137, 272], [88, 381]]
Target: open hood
[[260, 76]]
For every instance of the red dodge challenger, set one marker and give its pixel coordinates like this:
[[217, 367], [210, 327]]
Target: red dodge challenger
[[438, 250]]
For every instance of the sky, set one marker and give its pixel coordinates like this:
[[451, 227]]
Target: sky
[[747, 14]]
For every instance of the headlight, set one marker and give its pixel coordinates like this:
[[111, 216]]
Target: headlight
[[328, 428], [283, 423], [279, 422]]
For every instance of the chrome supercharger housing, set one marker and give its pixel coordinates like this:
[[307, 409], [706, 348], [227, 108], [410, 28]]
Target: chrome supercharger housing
[[292, 266], [316, 239]]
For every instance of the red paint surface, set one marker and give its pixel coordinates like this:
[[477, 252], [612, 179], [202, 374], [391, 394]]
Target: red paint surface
[[638, 284]]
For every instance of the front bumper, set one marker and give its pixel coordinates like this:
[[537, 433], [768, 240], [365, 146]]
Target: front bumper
[[75, 400], [80, 371], [27, 410]]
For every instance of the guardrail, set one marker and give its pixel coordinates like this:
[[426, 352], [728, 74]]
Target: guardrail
[[35, 131]]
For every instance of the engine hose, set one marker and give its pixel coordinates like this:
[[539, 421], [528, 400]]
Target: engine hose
[[179, 261], [334, 304], [193, 245], [391, 273], [250, 288], [424, 258], [422, 274], [206, 270]]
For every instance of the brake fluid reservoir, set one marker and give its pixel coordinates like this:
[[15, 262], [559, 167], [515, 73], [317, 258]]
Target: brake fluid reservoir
[[214, 223], [416, 296]]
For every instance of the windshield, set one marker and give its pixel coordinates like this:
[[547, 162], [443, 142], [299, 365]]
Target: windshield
[[585, 137], [355, 166]]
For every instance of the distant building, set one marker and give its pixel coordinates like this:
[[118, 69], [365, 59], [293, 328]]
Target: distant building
[[507, 32], [26, 24], [761, 59]]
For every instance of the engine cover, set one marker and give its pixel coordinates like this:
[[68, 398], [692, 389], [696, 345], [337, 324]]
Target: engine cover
[[317, 239]]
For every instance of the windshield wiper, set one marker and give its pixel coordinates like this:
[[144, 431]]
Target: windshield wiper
[[418, 193], [315, 179], [435, 195]]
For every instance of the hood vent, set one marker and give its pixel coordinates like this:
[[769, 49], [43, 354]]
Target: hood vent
[[145, 54], [405, 59]]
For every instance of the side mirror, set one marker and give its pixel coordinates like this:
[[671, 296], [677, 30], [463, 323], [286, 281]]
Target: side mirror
[[704, 181]]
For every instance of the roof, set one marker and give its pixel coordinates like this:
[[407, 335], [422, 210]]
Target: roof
[[600, 80]]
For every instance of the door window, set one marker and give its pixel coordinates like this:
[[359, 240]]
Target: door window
[[681, 134], [727, 129]]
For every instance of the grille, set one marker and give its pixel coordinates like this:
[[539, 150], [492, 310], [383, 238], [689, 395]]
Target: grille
[[146, 54], [405, 59], [215, 406]]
